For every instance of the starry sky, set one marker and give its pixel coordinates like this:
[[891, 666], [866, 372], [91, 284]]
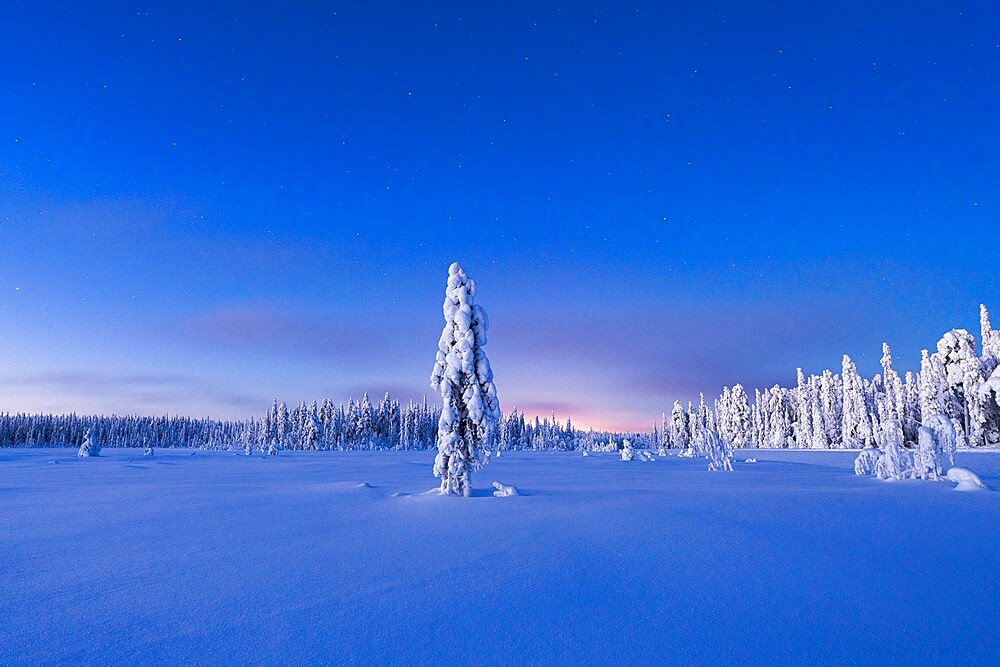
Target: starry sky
[[208, 205]]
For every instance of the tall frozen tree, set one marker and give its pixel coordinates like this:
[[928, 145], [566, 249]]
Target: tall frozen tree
[[911, 406], [463, 375], [893, 386], [963, 371], [990, 342], [934, 395], [680, 435], [739, 417], [856, 429], [802, 429], [831, 397]]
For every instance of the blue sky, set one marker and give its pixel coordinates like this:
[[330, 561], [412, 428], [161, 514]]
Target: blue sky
[[208, 208]]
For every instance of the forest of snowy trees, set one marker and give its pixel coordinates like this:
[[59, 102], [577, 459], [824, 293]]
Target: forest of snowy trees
[[359, 425], [829, 410], [847, 411]]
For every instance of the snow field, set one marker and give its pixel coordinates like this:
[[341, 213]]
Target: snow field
[[344, 557]]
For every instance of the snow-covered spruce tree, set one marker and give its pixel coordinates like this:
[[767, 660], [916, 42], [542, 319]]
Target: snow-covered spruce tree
[[963, 370], [718, 450], [831, 396], [893, 386], [680, 436], [802, 428], [911, 407], [463, 375], [91, 446], [856, 429], [989, 394], [664, 436], [989, 341]]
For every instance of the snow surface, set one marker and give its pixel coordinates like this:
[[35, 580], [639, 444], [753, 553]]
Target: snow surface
[[336, 557]]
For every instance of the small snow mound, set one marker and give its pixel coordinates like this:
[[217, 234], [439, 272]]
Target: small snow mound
[[53, 461], [400, 494], [686, 453], [646, 456], [585, 453], [750, 461], [504, 490], [966, 480], [364, 485], [148, 452]]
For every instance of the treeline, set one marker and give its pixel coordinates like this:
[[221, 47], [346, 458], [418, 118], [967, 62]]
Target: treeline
[[358, 425], [362, 425], [845, 410], [24, 430]]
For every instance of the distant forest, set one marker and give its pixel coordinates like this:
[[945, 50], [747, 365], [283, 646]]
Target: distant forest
[[829, 410]]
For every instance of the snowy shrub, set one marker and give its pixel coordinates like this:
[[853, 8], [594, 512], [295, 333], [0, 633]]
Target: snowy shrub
[[717, 450], [896, 462], [627, 452], [927, 459], [148, 452], [645, 455], [865, 463], [90, 446], [463, 375], [935, 447], [947, 439]]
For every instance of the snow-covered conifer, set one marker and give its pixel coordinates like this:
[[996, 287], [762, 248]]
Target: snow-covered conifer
[[989, 341], [680, 436], [957, 353], [717, 450], [627, 452], [463, 375], [664, 439], [856, 429], [893, 386], [818, 439], [779, 423], [739, 418], [802, 423], [90, 446], [831, 397], [911, 407]]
